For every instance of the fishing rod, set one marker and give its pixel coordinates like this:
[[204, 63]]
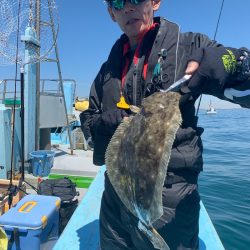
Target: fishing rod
[[215, 34], [28, 51], [13, 189]]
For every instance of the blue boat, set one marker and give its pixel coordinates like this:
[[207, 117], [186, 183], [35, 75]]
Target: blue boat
[[82, 231]]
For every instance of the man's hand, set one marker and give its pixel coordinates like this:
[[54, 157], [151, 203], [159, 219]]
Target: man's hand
[[212, 68], [112, 118], [192, 67]]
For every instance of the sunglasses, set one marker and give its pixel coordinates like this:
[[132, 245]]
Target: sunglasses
[[119, 4]]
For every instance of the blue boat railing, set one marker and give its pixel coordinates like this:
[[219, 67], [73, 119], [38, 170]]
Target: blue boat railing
[[82, 231], [47, 87]]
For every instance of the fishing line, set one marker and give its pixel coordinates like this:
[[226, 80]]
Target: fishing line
[[215, 34], [218, 22]]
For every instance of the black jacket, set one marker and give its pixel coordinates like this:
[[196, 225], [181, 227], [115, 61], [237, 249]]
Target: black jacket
[[105, 91]]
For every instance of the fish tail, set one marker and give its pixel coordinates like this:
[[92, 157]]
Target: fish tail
[[154, 237]]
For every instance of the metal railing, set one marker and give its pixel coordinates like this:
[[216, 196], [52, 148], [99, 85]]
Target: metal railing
[[47, 87], [7, 89]]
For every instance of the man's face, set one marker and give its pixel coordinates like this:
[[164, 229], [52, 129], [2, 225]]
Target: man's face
[[134, 20]]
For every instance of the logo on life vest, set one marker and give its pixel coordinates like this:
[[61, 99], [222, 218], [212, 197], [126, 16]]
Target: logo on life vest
[[229, 62]]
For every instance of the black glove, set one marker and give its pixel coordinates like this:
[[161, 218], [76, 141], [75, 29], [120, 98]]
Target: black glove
[[112, 118], [218, 67]]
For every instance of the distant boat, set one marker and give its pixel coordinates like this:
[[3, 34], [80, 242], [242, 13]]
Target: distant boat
[[211, 110]]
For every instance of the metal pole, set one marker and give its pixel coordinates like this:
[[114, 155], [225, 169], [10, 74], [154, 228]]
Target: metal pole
[[60, 74], [22, 121], [37, 27]]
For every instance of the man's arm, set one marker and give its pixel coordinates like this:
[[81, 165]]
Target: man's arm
[[239, 94], [222, 72], [89, 118], [240, 91]]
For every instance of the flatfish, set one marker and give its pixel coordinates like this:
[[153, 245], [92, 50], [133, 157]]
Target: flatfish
[[137, 159]]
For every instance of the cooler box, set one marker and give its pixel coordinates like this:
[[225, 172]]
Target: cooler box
[[32, 223]]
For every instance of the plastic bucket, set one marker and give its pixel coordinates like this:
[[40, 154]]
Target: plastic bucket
[[42, 162]]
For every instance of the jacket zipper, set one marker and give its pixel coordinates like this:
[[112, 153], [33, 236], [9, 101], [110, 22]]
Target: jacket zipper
[[135, 84]]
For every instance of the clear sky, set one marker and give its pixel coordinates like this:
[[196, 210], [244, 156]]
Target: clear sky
[[87, 34]]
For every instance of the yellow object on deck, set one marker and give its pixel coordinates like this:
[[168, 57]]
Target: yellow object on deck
[[81, 105], [3, 240]]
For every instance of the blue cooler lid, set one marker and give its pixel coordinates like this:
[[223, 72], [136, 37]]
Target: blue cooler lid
[[31, 212]]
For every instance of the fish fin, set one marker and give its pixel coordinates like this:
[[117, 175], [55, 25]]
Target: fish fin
[[170, 140], [154, 237], [115, 142]]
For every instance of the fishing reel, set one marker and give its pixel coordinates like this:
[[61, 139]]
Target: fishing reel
[[244, 65]]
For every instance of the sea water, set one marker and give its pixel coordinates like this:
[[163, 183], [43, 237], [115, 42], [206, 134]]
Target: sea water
[[225, 182]]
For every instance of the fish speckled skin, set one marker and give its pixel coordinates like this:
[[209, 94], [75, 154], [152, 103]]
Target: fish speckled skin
[[138, 154]]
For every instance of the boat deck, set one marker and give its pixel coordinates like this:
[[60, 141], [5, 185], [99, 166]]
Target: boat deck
[[80, 163]]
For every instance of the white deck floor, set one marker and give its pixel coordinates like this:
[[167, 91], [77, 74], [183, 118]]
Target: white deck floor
[[80, 163]]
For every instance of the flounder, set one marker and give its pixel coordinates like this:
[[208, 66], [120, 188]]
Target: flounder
[[137, 159]]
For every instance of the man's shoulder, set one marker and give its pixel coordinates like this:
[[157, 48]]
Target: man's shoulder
[[193, 37], [196, 39], [186, 38]]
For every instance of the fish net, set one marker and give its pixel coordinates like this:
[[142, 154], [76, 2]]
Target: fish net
[[40, 16]]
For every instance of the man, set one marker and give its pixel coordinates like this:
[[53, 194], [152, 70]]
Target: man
[[151, 55]]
